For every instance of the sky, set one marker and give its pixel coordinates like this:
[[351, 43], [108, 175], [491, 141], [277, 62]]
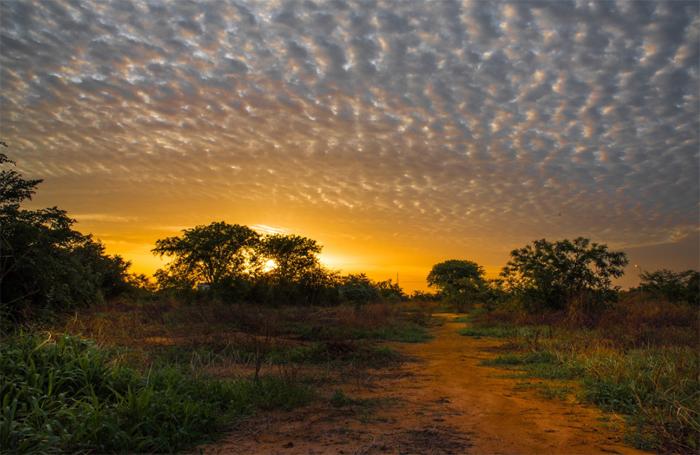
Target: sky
[[396, 133]]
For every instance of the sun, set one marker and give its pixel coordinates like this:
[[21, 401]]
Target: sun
[[270, 264]]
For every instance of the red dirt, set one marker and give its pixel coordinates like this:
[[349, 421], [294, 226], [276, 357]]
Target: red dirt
[[443, 402]]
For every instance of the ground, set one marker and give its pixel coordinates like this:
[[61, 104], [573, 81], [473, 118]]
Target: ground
[[440, 401]]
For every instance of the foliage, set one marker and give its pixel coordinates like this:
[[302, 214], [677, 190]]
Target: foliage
[[358, 289], [672, 286], [296, 276], [46, 265], [550, 275], [460, 282], [390, 291], [294, 256], [67, 395], [214, 254]]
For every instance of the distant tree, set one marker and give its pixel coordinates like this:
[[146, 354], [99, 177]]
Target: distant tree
[[216, 254], [358, 289], [554, 274], [390, 291], [673, 286], [459, 281], [425, 296], [294, 256]]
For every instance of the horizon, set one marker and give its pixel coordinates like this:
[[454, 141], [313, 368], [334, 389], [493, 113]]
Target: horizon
[[396, 134]]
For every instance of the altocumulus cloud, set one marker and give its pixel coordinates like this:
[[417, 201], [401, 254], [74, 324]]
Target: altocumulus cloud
[[460, 117]]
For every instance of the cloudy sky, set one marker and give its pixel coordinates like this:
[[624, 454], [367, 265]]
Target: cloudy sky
[[397, 133]]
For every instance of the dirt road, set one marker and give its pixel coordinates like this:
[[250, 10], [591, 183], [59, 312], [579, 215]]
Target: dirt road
[[444, 402]]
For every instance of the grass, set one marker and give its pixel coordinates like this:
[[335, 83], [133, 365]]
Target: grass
[[654, 381], [339, 353], [405, 332], [68, 395], [539, 364], [163, 376], [547, 390]]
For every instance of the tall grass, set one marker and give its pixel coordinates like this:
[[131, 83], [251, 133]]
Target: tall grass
[[67, 395], [639, 359]]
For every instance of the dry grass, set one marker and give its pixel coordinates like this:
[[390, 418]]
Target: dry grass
[[637, 357]]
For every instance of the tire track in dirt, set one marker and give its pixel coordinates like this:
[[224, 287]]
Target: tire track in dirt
[[442, 402]]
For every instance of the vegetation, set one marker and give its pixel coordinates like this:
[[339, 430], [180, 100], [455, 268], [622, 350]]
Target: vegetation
[[672, 286], [234, 263], [126, 367], [236, 319], [216, 254], [575, 275], [68, 395], [46, 265], [639, 360], [460, 282]]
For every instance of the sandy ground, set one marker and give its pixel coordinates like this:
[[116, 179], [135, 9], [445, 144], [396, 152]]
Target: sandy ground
[[441, 402]]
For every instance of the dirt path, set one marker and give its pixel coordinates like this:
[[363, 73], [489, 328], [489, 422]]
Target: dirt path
[[443, 402]]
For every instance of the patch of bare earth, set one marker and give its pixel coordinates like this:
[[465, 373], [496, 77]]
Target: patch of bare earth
[[441, 402]]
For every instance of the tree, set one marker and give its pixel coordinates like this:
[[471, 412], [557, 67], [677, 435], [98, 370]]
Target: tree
[[294, 256], [390, 291], [358, 289], [553, 274], [459, 281], [673, 286], [214, 254], [46, 265]]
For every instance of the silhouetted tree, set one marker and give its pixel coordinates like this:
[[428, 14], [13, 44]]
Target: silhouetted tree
[[459, 281], [358, 289], [555, 274], [390, 291], [294, 256], [673, 286], [216, 254]]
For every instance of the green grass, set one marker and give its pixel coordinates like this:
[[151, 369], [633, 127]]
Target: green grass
[[67, 395], [493, 332], [339, 353], [657, 389], [539, 364], [405, 333]]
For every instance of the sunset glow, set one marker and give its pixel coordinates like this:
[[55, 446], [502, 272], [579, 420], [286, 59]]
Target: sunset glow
[[396, 134]]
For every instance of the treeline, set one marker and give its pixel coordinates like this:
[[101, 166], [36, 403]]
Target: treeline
[[574, 277], [233, 263], [46, 266]]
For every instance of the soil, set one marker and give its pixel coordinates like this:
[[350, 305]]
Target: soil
[[442, 401]]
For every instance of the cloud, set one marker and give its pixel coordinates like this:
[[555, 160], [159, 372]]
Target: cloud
[[458, 118], [103, 218], [265, 229]]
